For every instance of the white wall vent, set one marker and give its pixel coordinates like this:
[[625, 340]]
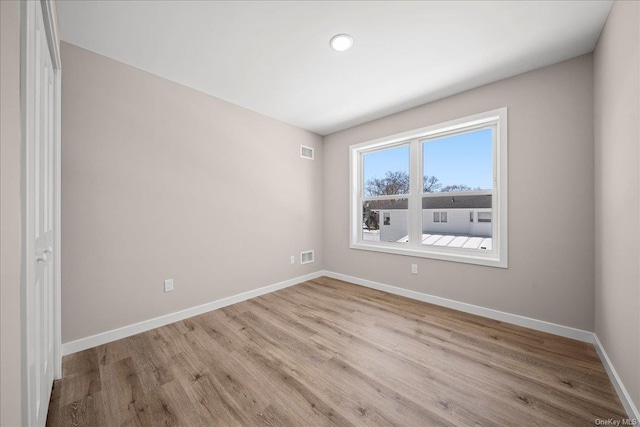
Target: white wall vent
[[306, 152], [306, 257]]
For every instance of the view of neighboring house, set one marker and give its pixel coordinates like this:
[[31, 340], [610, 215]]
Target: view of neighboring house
[[447, 220]]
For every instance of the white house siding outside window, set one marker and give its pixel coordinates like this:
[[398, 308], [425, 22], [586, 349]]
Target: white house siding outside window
[[437, 192]]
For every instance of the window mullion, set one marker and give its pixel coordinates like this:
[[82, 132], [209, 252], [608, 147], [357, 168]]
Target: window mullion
[[415, 203]]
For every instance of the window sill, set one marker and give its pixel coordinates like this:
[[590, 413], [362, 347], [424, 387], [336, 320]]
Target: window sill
[[466, 256]]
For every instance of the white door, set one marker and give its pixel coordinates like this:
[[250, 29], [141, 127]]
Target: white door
[[40, 223]]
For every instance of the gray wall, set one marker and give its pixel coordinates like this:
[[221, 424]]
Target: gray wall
[[161, 181], [10, 214], [617, 191], [550, 275]]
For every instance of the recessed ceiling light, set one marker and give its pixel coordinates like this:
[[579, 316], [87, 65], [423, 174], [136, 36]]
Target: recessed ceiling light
[[341, 42]]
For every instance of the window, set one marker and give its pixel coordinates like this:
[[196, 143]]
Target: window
[[439, 217], [484, 216], [387, 218], [427, 186]]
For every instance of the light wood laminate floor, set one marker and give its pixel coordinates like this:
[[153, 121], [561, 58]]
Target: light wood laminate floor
[[329, 352]]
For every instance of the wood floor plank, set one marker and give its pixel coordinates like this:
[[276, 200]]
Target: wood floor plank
[[445, 362], [273, 417], [170, 405], [82, 377], [150, 359], [203, 390], [125, 403], [430, 386], [499, 362], [113, 352], [234, 379], [266, 334], [82, 362], [78, 386], [302, 398], [215, 325], [327, 352], [86, 412], [360, 402], [343, 396]]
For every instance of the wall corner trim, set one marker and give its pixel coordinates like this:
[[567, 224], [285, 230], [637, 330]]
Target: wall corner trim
[[623, 394], [146, 325]]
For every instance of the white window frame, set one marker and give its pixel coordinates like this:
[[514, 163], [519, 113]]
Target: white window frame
[[498, 256]]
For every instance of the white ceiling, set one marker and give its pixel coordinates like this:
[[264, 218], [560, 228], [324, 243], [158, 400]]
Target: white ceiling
[[274, 57]]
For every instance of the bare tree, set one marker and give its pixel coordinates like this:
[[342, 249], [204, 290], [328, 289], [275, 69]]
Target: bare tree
[[430, 184], [456, 187], [392, 183], [397, 183]]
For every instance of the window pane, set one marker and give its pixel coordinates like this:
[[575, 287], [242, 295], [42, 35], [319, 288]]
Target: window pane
[[484, 216], [448, 221], [386, 172], [462, 162], [385, 220]]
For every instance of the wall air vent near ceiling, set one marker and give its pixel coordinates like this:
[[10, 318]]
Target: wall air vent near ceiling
[[306, 152], [306, 257]]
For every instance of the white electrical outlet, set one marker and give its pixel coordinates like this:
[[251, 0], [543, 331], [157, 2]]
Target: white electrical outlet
[[293, 259], [168, 285], [414, 268]]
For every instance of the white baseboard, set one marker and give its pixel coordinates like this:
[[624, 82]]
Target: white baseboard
[[623, 394], [146, 325], [527, 322]]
